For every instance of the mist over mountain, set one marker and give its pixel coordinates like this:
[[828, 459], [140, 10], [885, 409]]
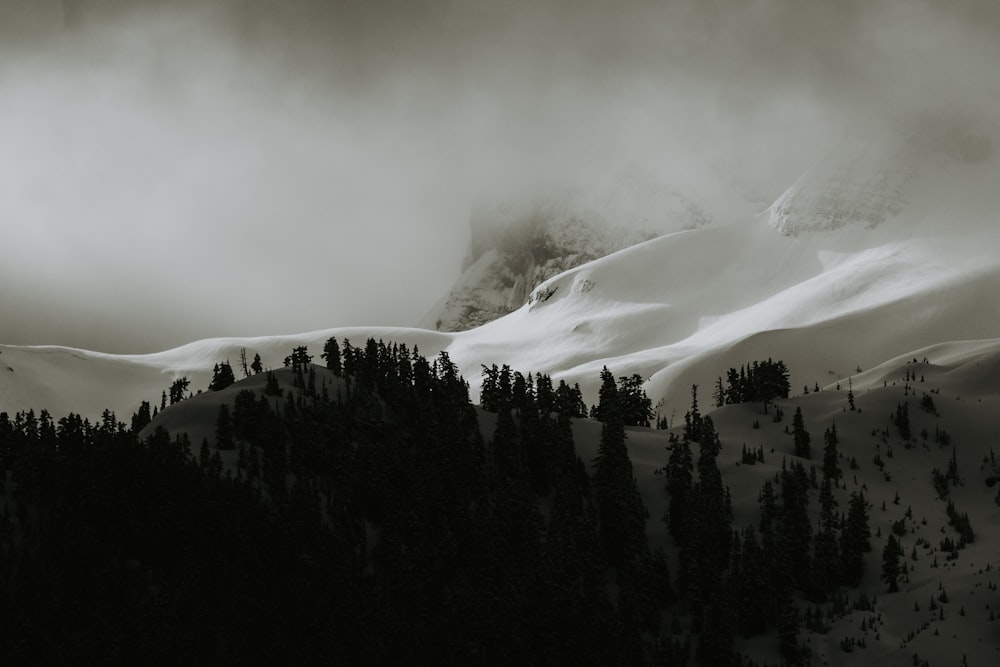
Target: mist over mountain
[[170, 146], [707, 364], [516, 246]]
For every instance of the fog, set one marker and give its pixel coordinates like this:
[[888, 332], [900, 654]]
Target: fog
[[170, 172]]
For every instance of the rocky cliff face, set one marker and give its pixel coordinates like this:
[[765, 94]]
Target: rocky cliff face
[[514, 247]]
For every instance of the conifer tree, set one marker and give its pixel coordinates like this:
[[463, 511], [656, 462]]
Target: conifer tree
[[489, 389], [331, 353], [222, 377], [637, 409], [831, 457], [902, 420], [142, 418], [607, 401], [544, 394], [177, 389], [692, 418], [794, 529], [855, 539], [224, 429], [679, 473], [271, 387], [614, 484], [752, 587], [826, 555], [800, 435], [891, 570]]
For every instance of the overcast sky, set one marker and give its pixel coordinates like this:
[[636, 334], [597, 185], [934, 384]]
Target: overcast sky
[[173, 173]]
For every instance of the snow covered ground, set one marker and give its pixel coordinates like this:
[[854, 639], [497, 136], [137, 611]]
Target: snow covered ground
[[913, 296], [679, 309]]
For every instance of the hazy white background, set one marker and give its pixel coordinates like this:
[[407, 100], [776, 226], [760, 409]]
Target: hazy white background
[[170, 172]]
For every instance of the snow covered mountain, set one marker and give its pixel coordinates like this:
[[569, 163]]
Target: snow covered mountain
[[867, 182], [678, 309], [886, 283], [515, 246]]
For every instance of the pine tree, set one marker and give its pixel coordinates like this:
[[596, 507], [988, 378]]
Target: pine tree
[[177, 389], [637, 409], [271, 387], [331, 353], [794, 529], [607, 401], [752, 587], [800, 435], [614, 484], [831, 457], [902, 420], [826, 555], [891, 569], [142, 418], [679, 473], [222, 377], [489, 389], [855, 539], [257, 366], [224, 429], [692, 418]]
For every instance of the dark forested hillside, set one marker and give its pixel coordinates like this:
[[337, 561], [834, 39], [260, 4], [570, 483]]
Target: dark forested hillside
[[366, 522], [366, 512]]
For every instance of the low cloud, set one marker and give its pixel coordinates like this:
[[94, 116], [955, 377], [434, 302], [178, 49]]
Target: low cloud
[[173, 172]]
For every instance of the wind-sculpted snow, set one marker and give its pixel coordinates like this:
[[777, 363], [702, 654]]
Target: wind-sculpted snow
[[513, 248], [867, 183], [678, 310]]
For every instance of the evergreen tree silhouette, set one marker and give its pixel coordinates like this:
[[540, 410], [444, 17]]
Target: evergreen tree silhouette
[[800, 435]]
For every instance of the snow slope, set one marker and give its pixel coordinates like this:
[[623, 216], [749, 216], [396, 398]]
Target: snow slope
[[679, 309], [895, 475], [514, 246], [912, 296]]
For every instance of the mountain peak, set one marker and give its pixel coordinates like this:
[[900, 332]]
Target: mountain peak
[[517, 245], [869, 180]]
